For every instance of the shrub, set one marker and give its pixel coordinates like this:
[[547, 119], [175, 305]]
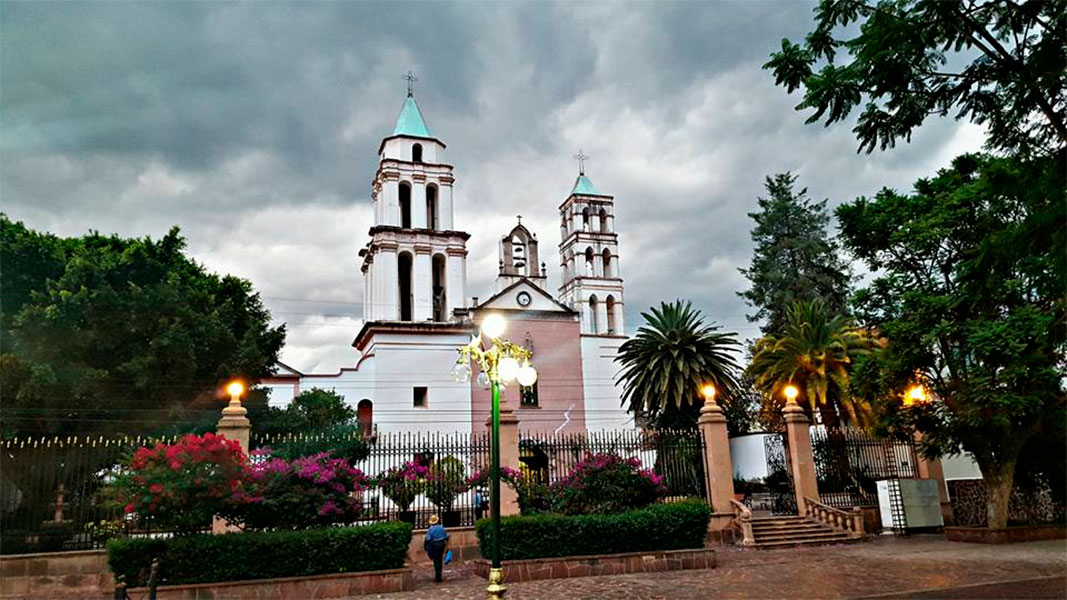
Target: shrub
[[312, 491], [403, 484], [261, 555], [184, 484], [661, 527], [606, 483], [445, 481]]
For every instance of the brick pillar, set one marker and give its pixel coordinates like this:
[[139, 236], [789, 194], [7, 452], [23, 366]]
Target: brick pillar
[[800, 458], [931, 469], [509, 454], [719, 472], [234, 425]]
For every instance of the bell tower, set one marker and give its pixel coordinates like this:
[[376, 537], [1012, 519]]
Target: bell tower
[[589, 257], [415, 265], [519, 258]]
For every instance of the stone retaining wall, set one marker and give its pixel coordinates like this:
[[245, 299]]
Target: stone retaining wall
[[338, 585], [601, 564], [58, 575], [1007, 535]]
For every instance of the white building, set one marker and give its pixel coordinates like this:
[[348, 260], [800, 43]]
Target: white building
[[416, 311]]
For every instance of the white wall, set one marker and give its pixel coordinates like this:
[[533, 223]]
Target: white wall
[[603, 408], [749, 456], [961, 466]]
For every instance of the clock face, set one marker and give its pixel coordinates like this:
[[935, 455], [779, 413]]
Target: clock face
[[523, 298]]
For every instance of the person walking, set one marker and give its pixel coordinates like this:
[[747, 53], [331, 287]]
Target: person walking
[[435, 544]]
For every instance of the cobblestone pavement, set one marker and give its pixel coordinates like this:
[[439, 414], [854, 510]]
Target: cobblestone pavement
[[919, 566]]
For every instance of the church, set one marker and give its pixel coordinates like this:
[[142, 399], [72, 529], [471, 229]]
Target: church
[[417, 312]]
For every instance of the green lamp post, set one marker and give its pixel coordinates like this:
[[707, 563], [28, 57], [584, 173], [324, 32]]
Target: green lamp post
[[500, 363]]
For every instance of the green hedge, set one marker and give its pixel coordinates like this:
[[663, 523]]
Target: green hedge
[[261, 555], [661, 527]]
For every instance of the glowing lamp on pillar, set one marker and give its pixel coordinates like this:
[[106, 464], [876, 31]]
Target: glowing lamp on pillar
[[791, 392], [235, 389], [708, 391], [499, 364]]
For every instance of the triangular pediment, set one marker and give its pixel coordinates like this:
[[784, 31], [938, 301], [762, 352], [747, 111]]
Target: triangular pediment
[[539, 300]]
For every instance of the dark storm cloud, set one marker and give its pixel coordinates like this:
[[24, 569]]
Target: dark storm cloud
[[255, 127]]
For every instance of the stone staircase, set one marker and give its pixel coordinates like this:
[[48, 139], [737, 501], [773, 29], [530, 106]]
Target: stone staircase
[[786, 532]]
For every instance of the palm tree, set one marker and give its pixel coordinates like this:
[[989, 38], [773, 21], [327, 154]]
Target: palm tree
[[672, 356], [815, 352]]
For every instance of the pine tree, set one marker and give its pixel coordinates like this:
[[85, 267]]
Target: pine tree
[[795, 259]]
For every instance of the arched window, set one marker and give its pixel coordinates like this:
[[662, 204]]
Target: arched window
[[365, 416], [608, 271], [585, 219], [431, 206], [416, 153], [405, 205], [610, 305], [440, 307], [589, 258], [519, 260], [403, 271], [592, 313], [603, 221]]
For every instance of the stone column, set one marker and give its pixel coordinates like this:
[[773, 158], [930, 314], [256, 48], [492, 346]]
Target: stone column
[[800, 458], [931, 469], [509, 454], [719, 469], [234, 425]]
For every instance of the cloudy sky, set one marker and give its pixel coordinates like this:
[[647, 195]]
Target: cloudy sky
[[254, 127]]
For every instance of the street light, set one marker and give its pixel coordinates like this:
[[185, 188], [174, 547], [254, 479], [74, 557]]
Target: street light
[[709, 393], [916, 395], [235, 389], [500, 364], [791, 392]]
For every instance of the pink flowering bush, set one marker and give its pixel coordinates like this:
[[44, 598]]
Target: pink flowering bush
[[606, 483], [534, 495], [181, 486], [311, 491], [403, 484]]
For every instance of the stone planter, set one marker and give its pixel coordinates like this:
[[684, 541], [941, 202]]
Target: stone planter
[[1007, 535], [600, 564], [338, 585]]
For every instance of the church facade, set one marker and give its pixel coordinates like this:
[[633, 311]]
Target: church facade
[[416, 311]]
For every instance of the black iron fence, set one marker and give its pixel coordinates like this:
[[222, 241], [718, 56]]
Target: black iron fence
[[675, 455], [849, 462], [51, 492]]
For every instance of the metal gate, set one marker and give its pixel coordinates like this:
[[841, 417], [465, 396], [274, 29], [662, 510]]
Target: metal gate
[[779, 476]]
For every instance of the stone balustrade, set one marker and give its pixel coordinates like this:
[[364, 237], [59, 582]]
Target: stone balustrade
[[850, 522], [743, 522]]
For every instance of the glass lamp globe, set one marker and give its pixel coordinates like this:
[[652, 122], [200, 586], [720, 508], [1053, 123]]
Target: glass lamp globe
[[483, 379], [461, 373], [493, 326], [527, 375], [507, 368]]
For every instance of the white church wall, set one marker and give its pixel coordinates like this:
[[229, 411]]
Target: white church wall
[[602, 394], [406, 361]]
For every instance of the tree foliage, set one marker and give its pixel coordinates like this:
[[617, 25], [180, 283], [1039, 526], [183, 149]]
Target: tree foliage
[[970, 293], [672, 356], [795, 259], [105, 334], [815, 352], [1000, 63]]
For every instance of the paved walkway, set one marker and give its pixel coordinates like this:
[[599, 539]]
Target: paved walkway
[[916, 567]]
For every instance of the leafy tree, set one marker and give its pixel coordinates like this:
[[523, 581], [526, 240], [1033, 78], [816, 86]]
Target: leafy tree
[[311, 410], [815, 352], [672, 356], [972, 271], [122, 335], [316, 421], [794, 258], [997, 62]]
